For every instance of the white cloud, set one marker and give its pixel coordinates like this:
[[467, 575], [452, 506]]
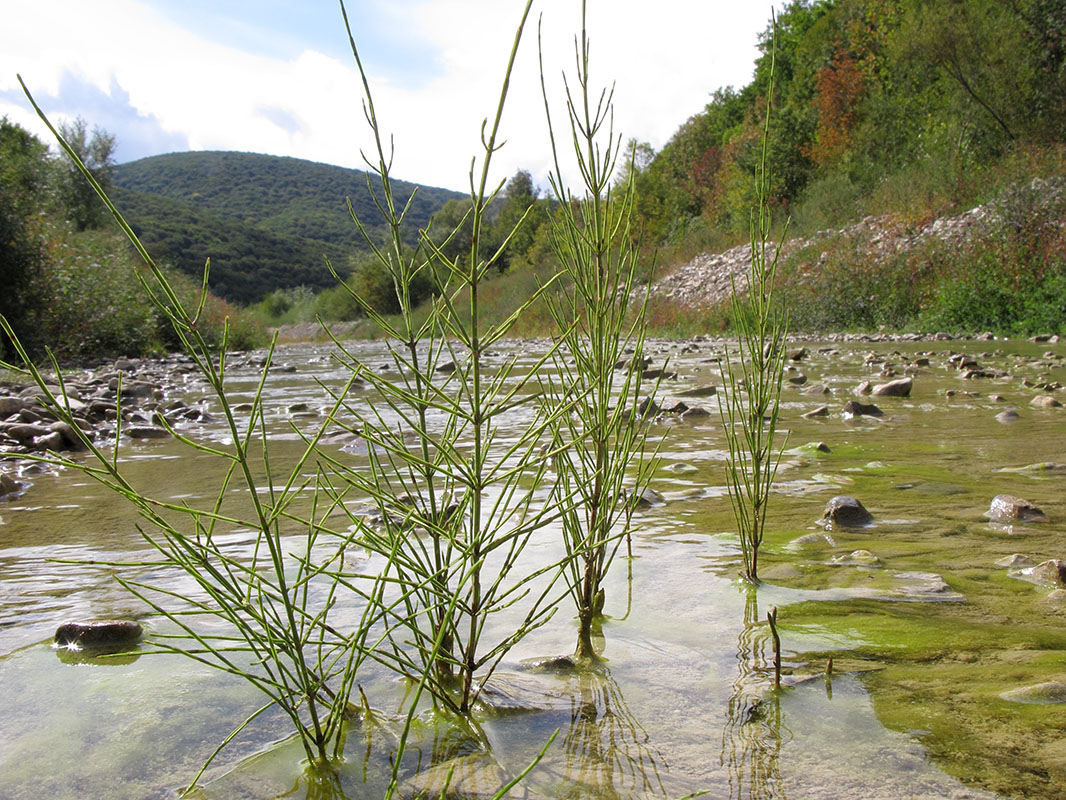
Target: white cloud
[[666, 62]]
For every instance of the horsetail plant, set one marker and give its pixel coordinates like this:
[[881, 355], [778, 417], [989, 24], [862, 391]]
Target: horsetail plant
[[600, 445], [754, 374], [267, 565], [456, 505]]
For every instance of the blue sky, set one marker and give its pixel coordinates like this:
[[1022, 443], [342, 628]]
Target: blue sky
[[278, 77]]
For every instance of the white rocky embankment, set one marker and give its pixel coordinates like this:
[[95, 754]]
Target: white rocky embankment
[[706, 279]]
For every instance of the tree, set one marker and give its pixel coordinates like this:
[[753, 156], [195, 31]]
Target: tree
[[23, 176], [76, 198]]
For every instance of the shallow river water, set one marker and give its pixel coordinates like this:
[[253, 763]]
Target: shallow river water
[[926, 631]]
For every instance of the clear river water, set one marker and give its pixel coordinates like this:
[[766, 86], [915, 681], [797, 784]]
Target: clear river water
[[926, 631]]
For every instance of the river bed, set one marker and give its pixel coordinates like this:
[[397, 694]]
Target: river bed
[[926, 631]]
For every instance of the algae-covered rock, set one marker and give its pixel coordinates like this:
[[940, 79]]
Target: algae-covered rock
[[812, 540], [1048, 573], [1039, 694], [846, 511], [856, 558], [1015, 561], [1007, 508]]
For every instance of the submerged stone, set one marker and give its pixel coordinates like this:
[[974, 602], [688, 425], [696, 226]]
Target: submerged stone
[[1040, 694], [1008, 416], [1007, 508], [856, 558], [846, 511], [508, 692], [1015, 561], [821, 411], [469, 777], [813, 540]]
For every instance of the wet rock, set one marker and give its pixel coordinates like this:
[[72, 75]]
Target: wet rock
[[695, 412], [53, 441], [71, 439], [698, 391], [508, 692], [796, 354], [1008, 416], [647, 498], [813, 540], [1047, 573], [11, 405], [897, 388], [1015, 561], [817, 388], [856, 409], [1040, 466], [1039, 694], [658, 374], [1007, 508], [648, 407], [682, 468], [798, 379], [856, 558], [925, 586], [1045, 401], [7, 484], [821, 411], [846, 511], [864, 388], [146, 432], [22, 432], [98, 633], [477, 776]]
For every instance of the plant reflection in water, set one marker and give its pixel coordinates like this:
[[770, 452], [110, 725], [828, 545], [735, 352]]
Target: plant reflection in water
[[754, 733]]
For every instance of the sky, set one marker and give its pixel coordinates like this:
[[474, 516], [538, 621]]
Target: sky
[[278, 76]]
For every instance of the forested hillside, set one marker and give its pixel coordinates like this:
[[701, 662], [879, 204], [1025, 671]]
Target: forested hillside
[[266, 222], [878, 105]]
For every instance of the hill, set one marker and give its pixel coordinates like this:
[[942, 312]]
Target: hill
[[266, 222]]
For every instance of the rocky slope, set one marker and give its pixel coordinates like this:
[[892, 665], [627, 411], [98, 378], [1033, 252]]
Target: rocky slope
[[706, 280]]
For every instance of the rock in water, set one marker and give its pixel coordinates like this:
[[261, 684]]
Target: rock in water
[[1040, 694], [98, 633], [1007, 509], [854, 409], [846, 511], [896, 388]]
